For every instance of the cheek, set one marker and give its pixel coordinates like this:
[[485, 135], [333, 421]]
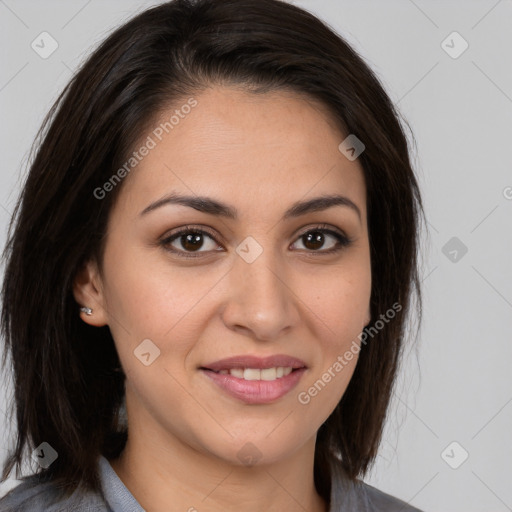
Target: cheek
[[148, 300], [339, 314], [149, 297], [342, 303]]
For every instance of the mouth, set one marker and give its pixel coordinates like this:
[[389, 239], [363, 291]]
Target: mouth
[[256, 380], [254, 363], [266, 374]]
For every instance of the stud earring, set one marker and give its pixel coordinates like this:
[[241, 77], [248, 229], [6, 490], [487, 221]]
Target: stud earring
[[86, 310]]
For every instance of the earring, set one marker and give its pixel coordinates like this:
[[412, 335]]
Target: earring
[[86, 310]]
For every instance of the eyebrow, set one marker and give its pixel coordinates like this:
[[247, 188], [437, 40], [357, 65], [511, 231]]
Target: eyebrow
[[214, 207]]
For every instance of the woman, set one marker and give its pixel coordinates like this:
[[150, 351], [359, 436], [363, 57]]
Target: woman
[[210, 269]]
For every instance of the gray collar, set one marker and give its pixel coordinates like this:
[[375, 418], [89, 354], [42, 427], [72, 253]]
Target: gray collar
[[117, 496]]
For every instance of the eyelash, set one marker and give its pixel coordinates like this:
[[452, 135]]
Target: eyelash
[[342, 240]]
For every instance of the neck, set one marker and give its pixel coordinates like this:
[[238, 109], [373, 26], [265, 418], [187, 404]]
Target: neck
[[162, 472]]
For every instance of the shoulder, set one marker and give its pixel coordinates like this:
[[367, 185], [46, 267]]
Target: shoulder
[[32, 495], [349, 495], [380, 501]]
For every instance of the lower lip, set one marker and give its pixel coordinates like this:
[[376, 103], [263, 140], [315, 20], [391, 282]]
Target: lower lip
[[256, 391]]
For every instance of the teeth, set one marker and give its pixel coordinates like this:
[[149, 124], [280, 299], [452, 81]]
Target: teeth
[[252, 374], [257, 374], [269, 374]]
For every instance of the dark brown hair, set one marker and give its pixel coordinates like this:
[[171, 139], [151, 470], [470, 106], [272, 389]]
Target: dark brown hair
[[68, 386]]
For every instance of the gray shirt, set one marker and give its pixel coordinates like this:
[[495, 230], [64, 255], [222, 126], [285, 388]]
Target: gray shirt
[[32, 496]]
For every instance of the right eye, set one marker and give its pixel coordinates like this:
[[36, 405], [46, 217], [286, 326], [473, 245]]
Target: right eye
[[191, 239]]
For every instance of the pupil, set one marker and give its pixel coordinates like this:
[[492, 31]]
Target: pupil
[[192, 241], [316, 238]]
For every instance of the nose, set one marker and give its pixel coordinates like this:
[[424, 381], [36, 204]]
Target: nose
[[261, 302]]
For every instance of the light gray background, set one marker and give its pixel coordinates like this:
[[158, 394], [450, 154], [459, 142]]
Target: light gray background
[[456, 384]]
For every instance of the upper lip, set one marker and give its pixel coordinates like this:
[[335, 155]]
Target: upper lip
[[242, 361]]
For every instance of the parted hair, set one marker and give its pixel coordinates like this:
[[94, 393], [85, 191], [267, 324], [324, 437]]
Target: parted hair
[[67, 380]]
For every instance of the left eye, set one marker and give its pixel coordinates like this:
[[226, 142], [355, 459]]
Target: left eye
[[192, 240], [316, 238]]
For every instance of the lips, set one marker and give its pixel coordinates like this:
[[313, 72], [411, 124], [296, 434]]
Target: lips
[[244, 362], [256, 380]]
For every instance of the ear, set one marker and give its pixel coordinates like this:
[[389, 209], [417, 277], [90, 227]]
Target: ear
[[88, 292]]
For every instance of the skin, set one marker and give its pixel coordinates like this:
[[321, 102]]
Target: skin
[[259, 154]]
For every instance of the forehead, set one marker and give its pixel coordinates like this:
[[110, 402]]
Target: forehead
[[253, 150]]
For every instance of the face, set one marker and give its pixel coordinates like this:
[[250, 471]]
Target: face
[[264, 278]]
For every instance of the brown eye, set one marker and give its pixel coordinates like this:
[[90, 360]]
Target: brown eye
[[187, 241], [192, 241], [313, 240]]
